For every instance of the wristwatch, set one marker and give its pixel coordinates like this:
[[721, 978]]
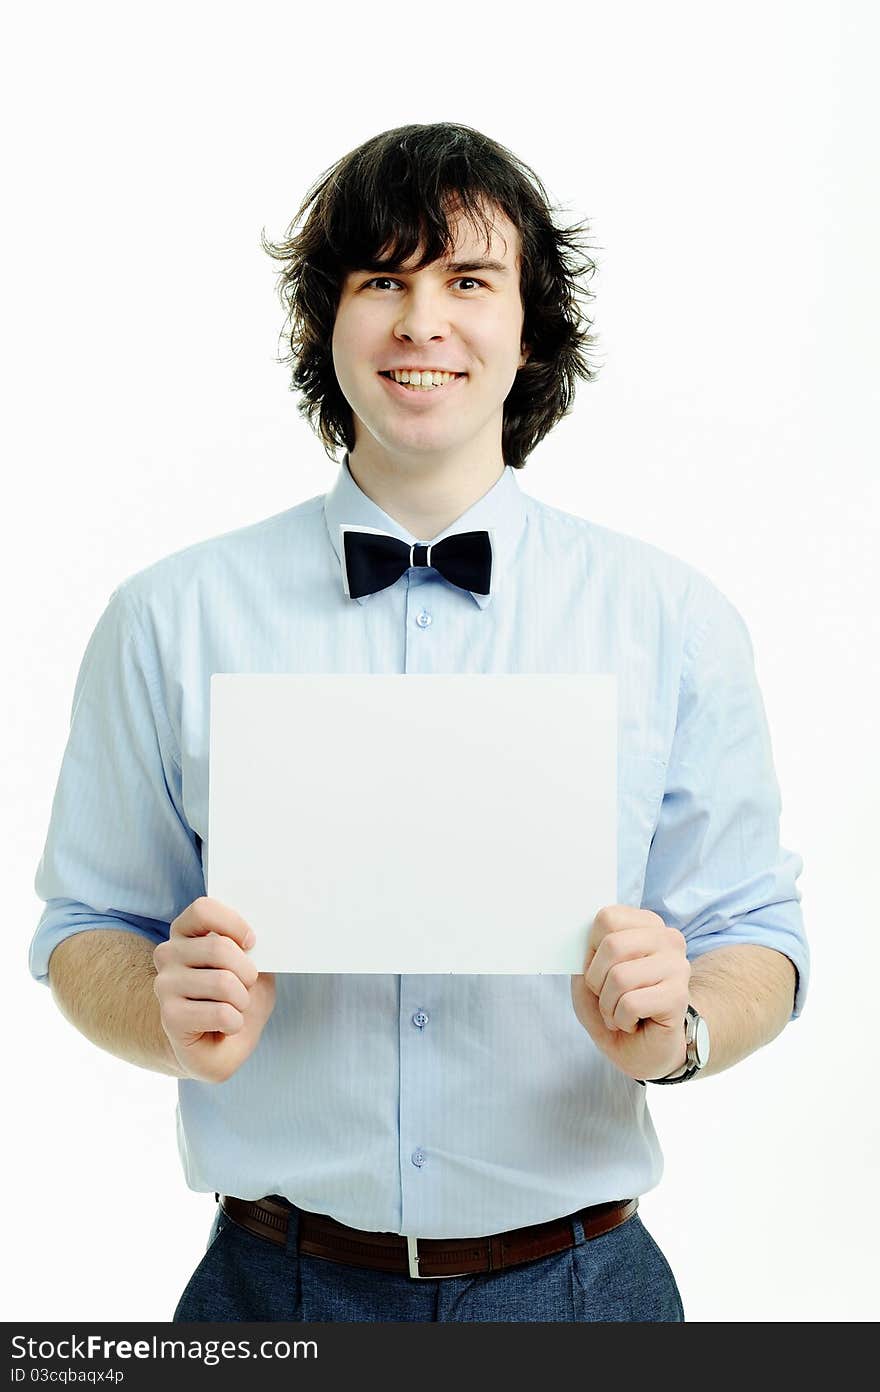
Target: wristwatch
[[697, 1041]]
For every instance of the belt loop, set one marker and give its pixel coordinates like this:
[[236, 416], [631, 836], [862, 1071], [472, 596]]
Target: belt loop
[[291, 1254], [577, 1229], [292, 1248]]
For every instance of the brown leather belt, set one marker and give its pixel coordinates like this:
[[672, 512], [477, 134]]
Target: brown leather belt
[[425, 1258]]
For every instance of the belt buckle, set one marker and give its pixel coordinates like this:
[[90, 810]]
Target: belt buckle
[[412, 1253]]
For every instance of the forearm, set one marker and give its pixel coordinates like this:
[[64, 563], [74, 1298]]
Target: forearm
[[102, 981], [746, 995]]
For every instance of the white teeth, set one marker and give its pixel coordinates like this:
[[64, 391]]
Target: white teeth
[[423, 381]]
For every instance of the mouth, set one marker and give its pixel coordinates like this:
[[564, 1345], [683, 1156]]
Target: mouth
[[419, 394]]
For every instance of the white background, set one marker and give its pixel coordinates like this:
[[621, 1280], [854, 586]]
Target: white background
[[725, 156]]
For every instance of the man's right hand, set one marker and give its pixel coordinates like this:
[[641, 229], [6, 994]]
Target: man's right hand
[[213, 1001]]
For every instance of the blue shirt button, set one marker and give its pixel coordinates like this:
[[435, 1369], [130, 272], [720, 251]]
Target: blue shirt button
[[424, 619], [418, 1157], [420, 1018]]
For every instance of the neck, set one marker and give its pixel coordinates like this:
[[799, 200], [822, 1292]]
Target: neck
[[425, 496]]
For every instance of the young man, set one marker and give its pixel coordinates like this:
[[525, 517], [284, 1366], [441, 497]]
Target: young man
[[425, 1148]]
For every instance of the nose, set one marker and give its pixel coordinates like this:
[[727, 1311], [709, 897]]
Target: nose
[[422, 319]]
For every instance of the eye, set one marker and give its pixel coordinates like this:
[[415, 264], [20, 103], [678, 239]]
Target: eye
[[389, 281]]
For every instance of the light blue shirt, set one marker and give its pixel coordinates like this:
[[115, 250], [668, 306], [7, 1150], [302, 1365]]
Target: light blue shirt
[[436, 1106]]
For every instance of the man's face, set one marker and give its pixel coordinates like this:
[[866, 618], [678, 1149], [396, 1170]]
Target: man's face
[[455, 315]]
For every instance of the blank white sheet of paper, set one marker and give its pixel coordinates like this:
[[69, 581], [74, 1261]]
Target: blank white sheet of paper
[[414, 823]]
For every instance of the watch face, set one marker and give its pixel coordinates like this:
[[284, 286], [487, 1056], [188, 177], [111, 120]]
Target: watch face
[[701, 1042]]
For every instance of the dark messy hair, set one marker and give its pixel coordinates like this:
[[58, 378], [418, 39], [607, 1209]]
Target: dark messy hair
[[388, 195]]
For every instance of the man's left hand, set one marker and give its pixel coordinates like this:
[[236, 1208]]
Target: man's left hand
[[632, 996]]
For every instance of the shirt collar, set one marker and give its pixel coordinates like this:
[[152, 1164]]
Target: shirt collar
[[502, 509]]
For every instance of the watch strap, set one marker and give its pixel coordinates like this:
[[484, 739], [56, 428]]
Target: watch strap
[[688, 1072], [690, 1066]]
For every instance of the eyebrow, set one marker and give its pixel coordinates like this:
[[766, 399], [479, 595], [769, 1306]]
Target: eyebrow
[[459, 267], [484, 265]]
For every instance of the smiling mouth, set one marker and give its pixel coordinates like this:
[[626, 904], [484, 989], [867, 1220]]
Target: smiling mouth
[[420, 387]]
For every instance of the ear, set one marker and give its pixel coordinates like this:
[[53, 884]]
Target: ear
[[525, 354]]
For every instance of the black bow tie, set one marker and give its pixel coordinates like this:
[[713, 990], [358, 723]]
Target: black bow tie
[[373, 560]]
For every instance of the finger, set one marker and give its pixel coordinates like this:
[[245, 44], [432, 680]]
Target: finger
[[206, 915], [626, 977], [186, 983], [625, 945], [211, 984], [610, 919], [183, 1017], [216, 950], [661, 1003]]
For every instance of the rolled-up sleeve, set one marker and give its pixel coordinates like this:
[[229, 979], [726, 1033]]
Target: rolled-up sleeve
[[118, 853], [716, 870]]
